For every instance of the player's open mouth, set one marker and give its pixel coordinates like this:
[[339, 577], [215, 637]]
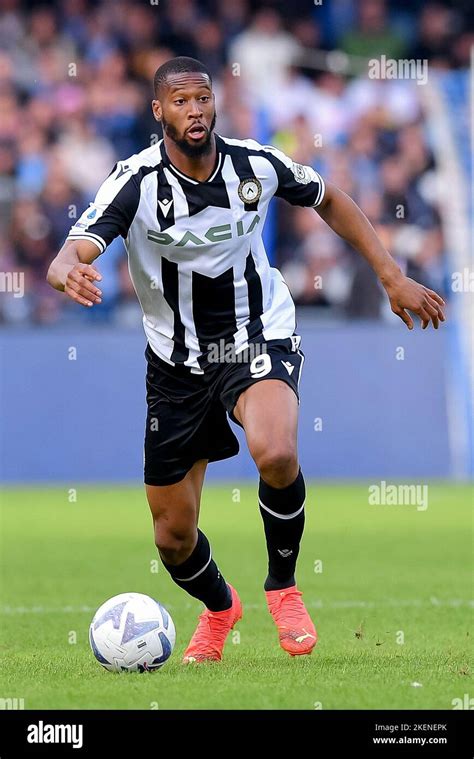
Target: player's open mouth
[[196, 132]]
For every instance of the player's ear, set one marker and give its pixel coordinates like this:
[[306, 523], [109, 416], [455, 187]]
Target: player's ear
[[156, 107]]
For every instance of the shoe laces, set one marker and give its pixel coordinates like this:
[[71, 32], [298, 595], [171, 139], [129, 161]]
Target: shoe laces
[[288, 604], [210, 624]]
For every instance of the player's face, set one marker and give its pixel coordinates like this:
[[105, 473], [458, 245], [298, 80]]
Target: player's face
[[187, 112]]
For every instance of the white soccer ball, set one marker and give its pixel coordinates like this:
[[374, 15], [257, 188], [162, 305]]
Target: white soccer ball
[[132, 632]]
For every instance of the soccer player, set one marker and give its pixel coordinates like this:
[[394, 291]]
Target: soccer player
[[220, 325]]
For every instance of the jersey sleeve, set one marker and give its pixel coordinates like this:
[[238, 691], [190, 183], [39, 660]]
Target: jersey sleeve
[[112, 211], [300, 185]]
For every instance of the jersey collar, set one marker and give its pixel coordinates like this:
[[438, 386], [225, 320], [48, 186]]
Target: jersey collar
[[180, 175]]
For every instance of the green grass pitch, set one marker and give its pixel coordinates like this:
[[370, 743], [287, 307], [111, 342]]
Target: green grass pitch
[[391, 599]]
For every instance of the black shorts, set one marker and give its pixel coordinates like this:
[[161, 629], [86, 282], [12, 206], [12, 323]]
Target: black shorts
[[187, 413]]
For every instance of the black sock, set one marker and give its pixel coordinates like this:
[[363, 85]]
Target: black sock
[[200, 577], [282, 511]]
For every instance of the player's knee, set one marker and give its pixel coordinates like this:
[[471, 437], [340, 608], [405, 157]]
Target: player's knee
[[277, 466], [174, 542]]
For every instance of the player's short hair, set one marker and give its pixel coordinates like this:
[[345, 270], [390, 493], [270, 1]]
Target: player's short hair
[[178, 65]]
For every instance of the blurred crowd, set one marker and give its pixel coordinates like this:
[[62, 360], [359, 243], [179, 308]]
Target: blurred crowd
[[75, 93]]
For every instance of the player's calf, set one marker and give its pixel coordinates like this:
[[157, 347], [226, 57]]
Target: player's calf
[[199, 576], [282, 512]]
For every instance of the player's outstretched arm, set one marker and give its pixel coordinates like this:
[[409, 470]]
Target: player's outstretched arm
[[347, 220], [72, 272]]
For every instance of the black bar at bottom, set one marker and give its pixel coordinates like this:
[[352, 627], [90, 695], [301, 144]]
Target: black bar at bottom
[[310, 733]]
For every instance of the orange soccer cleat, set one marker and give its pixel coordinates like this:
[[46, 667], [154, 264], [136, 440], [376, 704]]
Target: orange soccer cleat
[[213, 628], [296, 631]]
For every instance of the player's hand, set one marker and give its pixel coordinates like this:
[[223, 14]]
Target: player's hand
[[80, 287], [405, 293]]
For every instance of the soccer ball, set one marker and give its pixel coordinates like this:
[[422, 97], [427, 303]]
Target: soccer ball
[[132, 632]]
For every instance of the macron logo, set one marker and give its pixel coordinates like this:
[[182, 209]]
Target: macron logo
[[122, 170], [42, 733], [165, 206], [288, 366]]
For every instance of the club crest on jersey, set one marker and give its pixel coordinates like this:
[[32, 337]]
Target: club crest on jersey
[[300, 173], [250, 192]]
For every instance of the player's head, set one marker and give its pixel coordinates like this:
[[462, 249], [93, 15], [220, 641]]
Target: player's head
[[185, 104]]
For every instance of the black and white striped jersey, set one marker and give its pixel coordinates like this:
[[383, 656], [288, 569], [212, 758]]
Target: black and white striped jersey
[[195, 250]]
